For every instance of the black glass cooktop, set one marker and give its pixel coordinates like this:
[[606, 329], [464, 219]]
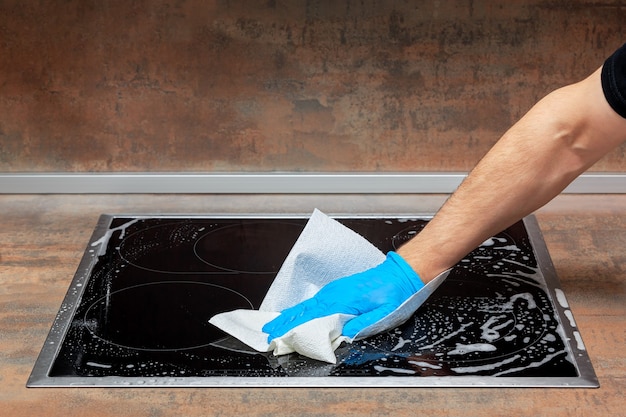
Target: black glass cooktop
[[137, 311]]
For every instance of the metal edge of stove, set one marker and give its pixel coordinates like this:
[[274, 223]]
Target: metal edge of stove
[[39, 376], [587, 376], [52, 345]]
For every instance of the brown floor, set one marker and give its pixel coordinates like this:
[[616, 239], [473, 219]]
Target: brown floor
[[43, 238]]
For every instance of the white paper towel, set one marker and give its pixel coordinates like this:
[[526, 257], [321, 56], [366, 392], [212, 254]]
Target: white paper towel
[[325, 251]]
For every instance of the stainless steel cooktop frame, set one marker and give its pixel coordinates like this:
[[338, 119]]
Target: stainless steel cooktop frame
[[40, 374]]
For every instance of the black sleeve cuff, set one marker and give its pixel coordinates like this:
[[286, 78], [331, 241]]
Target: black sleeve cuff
[[614, 81]]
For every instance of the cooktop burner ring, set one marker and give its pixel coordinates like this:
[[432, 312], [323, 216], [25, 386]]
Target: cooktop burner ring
[[256, 253], [148, 247], [183, 326]]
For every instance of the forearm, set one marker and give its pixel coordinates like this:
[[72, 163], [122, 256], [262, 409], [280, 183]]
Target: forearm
[[559, 138]]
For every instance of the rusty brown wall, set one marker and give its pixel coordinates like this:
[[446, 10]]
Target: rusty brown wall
[[337, 85]]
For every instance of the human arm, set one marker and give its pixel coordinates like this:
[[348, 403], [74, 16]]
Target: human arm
[[558, 139]]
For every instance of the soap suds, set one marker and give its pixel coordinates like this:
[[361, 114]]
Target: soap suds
[[570, 317], [104, 239], [379, 368], [489, 367], [560, 297], [424, 365], [462, 349], [579, 341]]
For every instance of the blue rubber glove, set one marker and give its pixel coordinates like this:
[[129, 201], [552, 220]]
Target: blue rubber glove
[[369, 295]]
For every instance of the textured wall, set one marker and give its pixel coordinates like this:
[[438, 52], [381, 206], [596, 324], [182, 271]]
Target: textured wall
[[337, 85]]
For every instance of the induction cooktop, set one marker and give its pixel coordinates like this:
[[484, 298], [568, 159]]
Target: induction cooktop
[[137, 311]]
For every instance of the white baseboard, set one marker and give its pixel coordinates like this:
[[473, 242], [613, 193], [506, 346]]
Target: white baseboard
[[267, 183]]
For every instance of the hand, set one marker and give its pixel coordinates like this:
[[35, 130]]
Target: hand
[[369, 295]]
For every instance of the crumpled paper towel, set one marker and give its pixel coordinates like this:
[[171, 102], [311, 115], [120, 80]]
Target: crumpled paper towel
[[325, 251]]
